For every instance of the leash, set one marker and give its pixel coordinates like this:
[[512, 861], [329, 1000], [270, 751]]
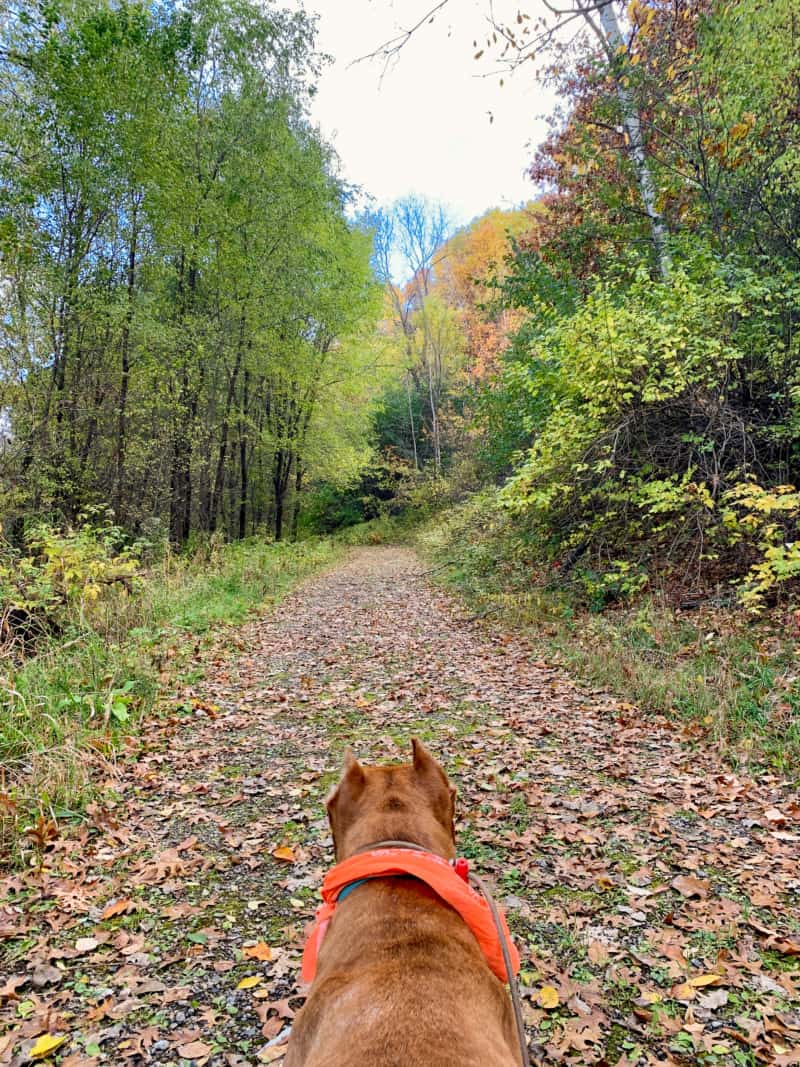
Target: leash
[[480, 886], [513, 985]]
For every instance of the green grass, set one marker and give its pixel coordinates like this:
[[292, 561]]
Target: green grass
[[733, 680], [66, 712], [387, 529]]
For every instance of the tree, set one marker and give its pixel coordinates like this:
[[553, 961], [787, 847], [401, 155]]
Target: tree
[[181, 273], [408, 239], [529, 39]]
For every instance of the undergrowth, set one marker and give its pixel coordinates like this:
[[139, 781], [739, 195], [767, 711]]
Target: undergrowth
[[729, 677], [73, 702]]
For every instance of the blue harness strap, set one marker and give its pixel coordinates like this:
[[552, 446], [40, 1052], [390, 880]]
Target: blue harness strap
[[349, 889]]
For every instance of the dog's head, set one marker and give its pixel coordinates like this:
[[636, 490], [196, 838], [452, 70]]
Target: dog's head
[[406, 802]]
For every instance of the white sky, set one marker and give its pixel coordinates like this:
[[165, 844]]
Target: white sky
[[424, 127]]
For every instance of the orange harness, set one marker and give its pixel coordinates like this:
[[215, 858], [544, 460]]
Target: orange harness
[[449, 884]]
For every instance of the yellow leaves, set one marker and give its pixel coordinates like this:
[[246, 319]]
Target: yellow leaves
[[743, 127], [261, 951], [651, 997], [684, 992], [701, 980], [547, 997], [250, 982], [46, 1045], [284, 853]]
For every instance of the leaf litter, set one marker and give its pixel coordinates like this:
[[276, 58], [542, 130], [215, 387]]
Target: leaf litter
[[654, 893]]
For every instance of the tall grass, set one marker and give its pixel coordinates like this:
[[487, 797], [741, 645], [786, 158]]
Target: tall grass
[[67, 710]]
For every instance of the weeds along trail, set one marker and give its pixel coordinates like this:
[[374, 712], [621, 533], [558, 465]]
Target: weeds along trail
[[653, 894]]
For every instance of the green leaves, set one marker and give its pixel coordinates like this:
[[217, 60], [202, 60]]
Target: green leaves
[[183, 280]]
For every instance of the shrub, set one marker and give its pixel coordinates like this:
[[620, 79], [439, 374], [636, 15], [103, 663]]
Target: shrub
[[61, 577], [661, 398]]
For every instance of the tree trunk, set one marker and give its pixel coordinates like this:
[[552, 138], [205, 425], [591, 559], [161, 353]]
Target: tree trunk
[[122, 415], [437, 452], [611, 39], [219, 477], [243, 459], [411, 421], [281, 473], [298, 485]]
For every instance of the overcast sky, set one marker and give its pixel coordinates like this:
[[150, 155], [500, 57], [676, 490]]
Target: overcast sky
[[424, 126]]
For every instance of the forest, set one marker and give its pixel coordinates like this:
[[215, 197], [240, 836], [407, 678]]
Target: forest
[[182, 286], [582, 406], [206, 330], [294, 477], [620, 357]]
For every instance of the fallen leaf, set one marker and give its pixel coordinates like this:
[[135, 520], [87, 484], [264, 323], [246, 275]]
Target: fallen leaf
[[250, 982], [46, 1045], [270, 1054], [45, 974], [704, 979], [117, 907], [598, 953], [194, 1050], [547, 997], [784, 945], [717, 998], [261, 951], [284, 853], [775, 816], [684, 992], [691, 887]]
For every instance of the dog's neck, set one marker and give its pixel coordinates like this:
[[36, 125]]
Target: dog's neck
[[359, 840], [411, 845]]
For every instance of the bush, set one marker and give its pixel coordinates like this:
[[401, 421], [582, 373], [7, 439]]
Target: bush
[[649, 403], [61, 577], [733, 678]]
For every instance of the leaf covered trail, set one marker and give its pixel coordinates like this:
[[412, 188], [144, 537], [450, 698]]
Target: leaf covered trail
[[654, 894]]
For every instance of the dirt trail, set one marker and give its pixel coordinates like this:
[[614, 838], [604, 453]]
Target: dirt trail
[[656, 893]]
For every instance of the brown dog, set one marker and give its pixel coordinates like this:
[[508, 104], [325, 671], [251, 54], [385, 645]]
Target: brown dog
[[401, 981]]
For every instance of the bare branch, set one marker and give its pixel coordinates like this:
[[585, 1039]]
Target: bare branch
[[390, 49]]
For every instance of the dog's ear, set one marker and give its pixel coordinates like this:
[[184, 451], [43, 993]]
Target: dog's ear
[[431, 773], [425, 765], [352, 768], [343, 798], [351, 784]]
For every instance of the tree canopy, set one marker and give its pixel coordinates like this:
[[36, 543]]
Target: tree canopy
[[182, 284]]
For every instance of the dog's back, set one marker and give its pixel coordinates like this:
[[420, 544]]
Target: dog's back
[[401, 980]]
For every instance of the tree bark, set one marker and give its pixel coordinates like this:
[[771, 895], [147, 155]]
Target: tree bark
[[219, 477], [243, 459], [610, 37], [411, 421], [298, 485], [125, 359]]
